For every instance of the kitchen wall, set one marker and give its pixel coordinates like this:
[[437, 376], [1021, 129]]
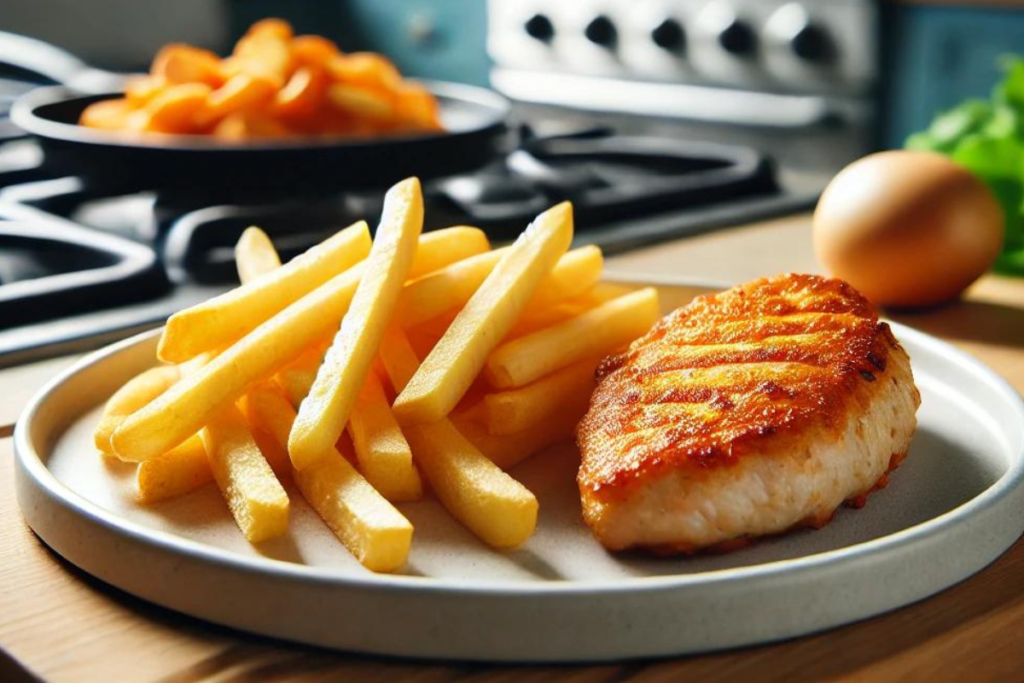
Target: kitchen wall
[[940, 54]]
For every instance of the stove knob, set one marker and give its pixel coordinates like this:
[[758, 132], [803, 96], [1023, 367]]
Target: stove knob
[[601, 31], [812, 43], [540, 28], [738, 38], [669, 35]]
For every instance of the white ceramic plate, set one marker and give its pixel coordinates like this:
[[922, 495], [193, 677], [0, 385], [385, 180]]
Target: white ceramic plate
[[954, 506]]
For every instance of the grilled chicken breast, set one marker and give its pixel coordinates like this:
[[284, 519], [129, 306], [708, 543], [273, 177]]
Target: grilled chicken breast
[[743, 414]]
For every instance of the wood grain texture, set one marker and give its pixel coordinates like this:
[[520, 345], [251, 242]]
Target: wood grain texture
[[63, 625]]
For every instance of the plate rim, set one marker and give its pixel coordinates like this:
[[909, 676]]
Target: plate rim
[[30, 462]]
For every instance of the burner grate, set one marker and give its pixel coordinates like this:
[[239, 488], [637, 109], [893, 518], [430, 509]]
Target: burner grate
[[111, 257]]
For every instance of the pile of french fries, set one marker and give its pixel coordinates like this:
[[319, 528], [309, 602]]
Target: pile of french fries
[[367, 371], [274, 85]]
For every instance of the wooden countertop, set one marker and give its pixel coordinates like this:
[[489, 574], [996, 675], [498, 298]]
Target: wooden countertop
[[60, 624]]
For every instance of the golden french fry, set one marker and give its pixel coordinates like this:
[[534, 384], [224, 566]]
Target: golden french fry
[[255, 497], [596, 332], [377, 534], [494, 506], [451, 287], [440, 248], [179, 471], [447, 373], [380, 448], [606, 291], [445, 289], [255, 255], [324, 412], [296, 378], [538, 319], [532, 406], [384, 456], [508, 450], [575, 273], [181, 411], [186, 467], [224, 319], [134, 395], [426, 335], [275, 456]]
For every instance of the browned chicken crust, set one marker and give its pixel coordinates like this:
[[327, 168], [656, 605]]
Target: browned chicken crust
[[766, 371]]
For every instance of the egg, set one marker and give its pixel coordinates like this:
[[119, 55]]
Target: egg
[[907, 229]]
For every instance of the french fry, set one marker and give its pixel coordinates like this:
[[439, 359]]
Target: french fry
[[255, 255], [441, 248], [275, 456], [596, 332], [186, 467], [508, 450], [476, 492], [324, 412], [181, 470], [296, 378], [255, 497], [575, 273], [532, 406], [549, 316], [377, 534], [447, 373], [494, 506], [135, 394], [180, 412], [224, 319], [445, 289], [384, 456], [380, 447], [424, 336], [451, 287], [538, 318]]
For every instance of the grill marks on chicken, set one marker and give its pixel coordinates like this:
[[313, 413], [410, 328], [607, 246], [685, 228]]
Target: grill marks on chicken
[[765, 366]]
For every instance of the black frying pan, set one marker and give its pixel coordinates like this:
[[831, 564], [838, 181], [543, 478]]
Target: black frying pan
[[474, 119]]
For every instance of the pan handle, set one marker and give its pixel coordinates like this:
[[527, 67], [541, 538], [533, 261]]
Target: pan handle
[[55, 64]]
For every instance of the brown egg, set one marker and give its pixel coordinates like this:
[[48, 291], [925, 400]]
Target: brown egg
[[907, 228]]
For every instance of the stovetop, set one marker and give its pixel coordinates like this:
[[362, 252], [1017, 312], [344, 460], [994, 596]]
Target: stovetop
[[86, 262]]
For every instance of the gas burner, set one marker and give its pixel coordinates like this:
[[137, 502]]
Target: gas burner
[[99, 259]]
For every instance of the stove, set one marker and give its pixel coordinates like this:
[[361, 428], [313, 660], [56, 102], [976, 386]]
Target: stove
[[85, 263]]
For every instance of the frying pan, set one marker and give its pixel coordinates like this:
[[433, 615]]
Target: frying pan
[[474, 121]]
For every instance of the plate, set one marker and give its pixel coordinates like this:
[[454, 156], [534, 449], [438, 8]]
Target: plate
[[954, 506]]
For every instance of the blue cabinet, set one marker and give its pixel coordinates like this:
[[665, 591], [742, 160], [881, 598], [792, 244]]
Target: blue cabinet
[[938, 55], [441, 39]]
